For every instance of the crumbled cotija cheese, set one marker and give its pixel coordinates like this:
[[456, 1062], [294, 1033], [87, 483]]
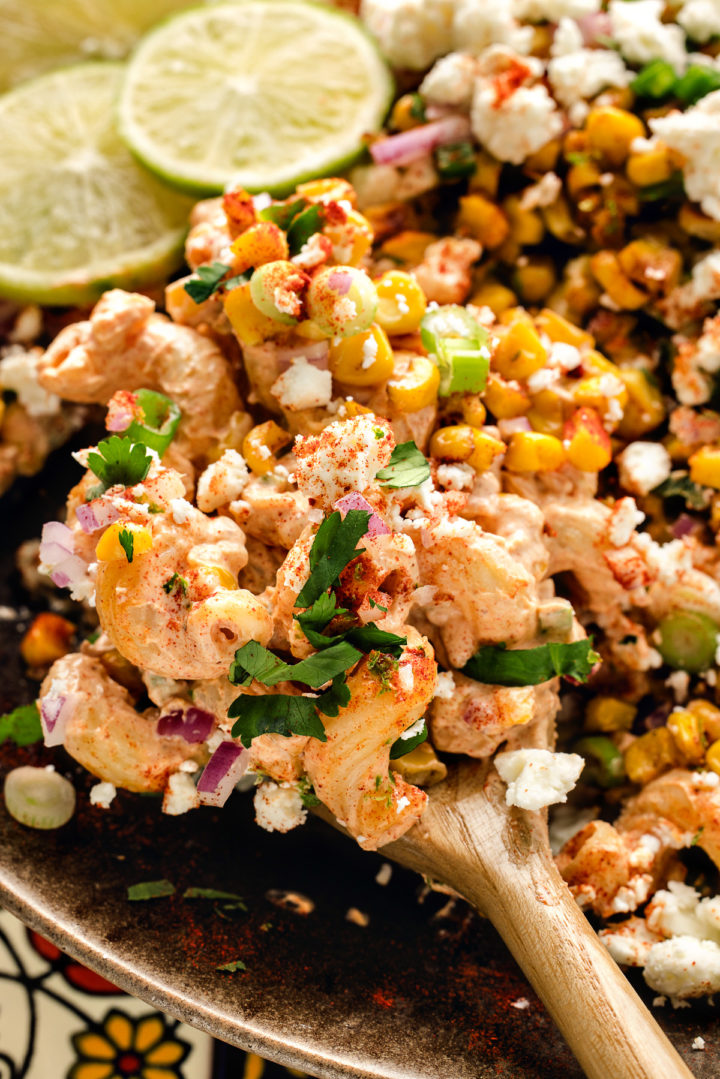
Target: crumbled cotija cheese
[[537, 777], [18, 372], [576, 73], [180, 795], [624, 519], [278, 807], [642, 36], [683, 967], [102, 795], [302, 386], [696, 135], [644, 466], [476, 26], [700, 19], [445, 686], [512, 127], [411, 33], [457, 477], [222, 482], [451, 80], [181, 510]]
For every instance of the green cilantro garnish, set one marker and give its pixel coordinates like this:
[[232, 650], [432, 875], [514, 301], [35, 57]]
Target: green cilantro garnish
[[307, 793], [275, 714], [22, 726], [407, 467], [205, 281], [283, 214], [127, 542], [151, 889], [176, 582], [307, 222], [333, 548], [382, 667], [232, 967], [379, 606], [679, 485], [253, 661], [407, 745], [496, 665], [118, 461]]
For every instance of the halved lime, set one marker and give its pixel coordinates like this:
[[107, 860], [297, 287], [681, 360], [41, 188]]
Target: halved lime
[[38, 35], [78, 214], [263, 93]]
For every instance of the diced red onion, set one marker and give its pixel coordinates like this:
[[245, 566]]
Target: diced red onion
[[340, 281], [355, 501], [70, 571], [683, 526], [657, 718], [194, 725], [96, 514], [228, 763], [55, 711], [55, 535], [596, 25], [408, 146], [119, 420]]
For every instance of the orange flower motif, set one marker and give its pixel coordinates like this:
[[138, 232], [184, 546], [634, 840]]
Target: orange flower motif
[[125, 1048]]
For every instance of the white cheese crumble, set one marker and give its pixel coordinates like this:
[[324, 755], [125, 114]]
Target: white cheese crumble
[[369, 352], [181, 510], [700, 19], [18, 372], [417, 727], [644, 466], [411, 33], [696, 135], [642, 36], [450, 81], [522, 1004], [457, 477], [564, 356], [679, 911], [698, 1043], [554, 10], [543, 193], [537, 777], [278, 807], [406, 678], [679, 683], [476, 26], [102, 795], [683, 967], [222, 482], [347, 458], [445, 686], [180, 794], [624, 518], [705, 781], [576, 73], [302, 386]]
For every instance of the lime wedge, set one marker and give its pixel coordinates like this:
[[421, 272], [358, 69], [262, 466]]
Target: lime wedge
[[78, 214], [262, 93], [37, 35]]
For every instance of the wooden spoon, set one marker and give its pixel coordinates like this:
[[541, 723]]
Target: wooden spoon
[[498, 858]]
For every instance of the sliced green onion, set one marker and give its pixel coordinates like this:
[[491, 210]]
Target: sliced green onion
[[458, 344], [162, 417], [656, 80], [604, 763], [39, 797], [697, 82], [688, 641], [672, 188], [455, 160]]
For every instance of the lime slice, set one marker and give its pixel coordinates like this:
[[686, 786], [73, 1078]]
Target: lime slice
[[78, 214], [262, 93], [37, 35]]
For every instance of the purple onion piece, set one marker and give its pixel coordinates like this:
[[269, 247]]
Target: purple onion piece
[[683, 526], [227, 764], [198, 725], [171, 724], [340, 282], [55, 711], [355, 501], [410, 145]]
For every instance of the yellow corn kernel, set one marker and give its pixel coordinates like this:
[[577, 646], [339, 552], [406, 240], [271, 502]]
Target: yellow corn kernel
[[705, 467], [696, 223], [505, 399], [363, 359], [712, 757], [559, 221], [531, 451], [250, 326], [654, 265], [645, 409], [592, 392], [607, 714], [496, 296], [586, 441], [650, 755], [608, 272], [575, 142], [453, 443], [473, 410], [581, 176], [686, 729], [223, 577], [408, 246], [547, 414], [520, 352], [109, 548], [649, 166], [709, 716], [350, 408], [401, 302], [261, 444], [526, 226], [416, 386], [596, 364], [610, 131], [261, 243], [48, 638], [310, 330], [560, 329], [545, 159], [535, 278], [487, 448], [405, 114], [482, 219], [328, 189], [351, 240], [420, 766], [486, 177]]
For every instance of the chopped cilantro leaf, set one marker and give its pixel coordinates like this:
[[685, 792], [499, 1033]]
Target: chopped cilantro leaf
[[333, 699], [307, 222], [369, 638], [680, 485], [205, 281], [275, 714], [379, 606], [407, 467], [22, 726], [213, 893], [334, 546], [151, 889], [307, 793], [127, 542], [283, 214], [255, 661], [232, 967], [316, 618], [382, 667], [176, 582], [407, 745], [119, 461], [495, 665]]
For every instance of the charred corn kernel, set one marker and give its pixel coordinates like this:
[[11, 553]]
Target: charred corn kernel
[[687, 732], [696, 223], [416, 386], [559, 221], [261, 243], [486, 177], [650, 755], [609, 714], [545, 159], [547, 414], [110, 549], [705, 467], [587, 442], [364, 359], [487, 448], [531, 451], [473, 410], [328, 189], [349, 408], [401, 302], [509, 251], [535, 278], [593, 392], [482, 219], [48, 638], [520, 352], [526, 226], [712, 757], [560, 329], [407, 113], [581, 176], [351, 240], [505, 399], [709, 716], [420, 766], [649, 167], [261, 444], [608, 272], [610, 131], [496, 296], [645, 409], [408, 246], [249, 325], [223, 576], [455, 443], [655, 265]]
